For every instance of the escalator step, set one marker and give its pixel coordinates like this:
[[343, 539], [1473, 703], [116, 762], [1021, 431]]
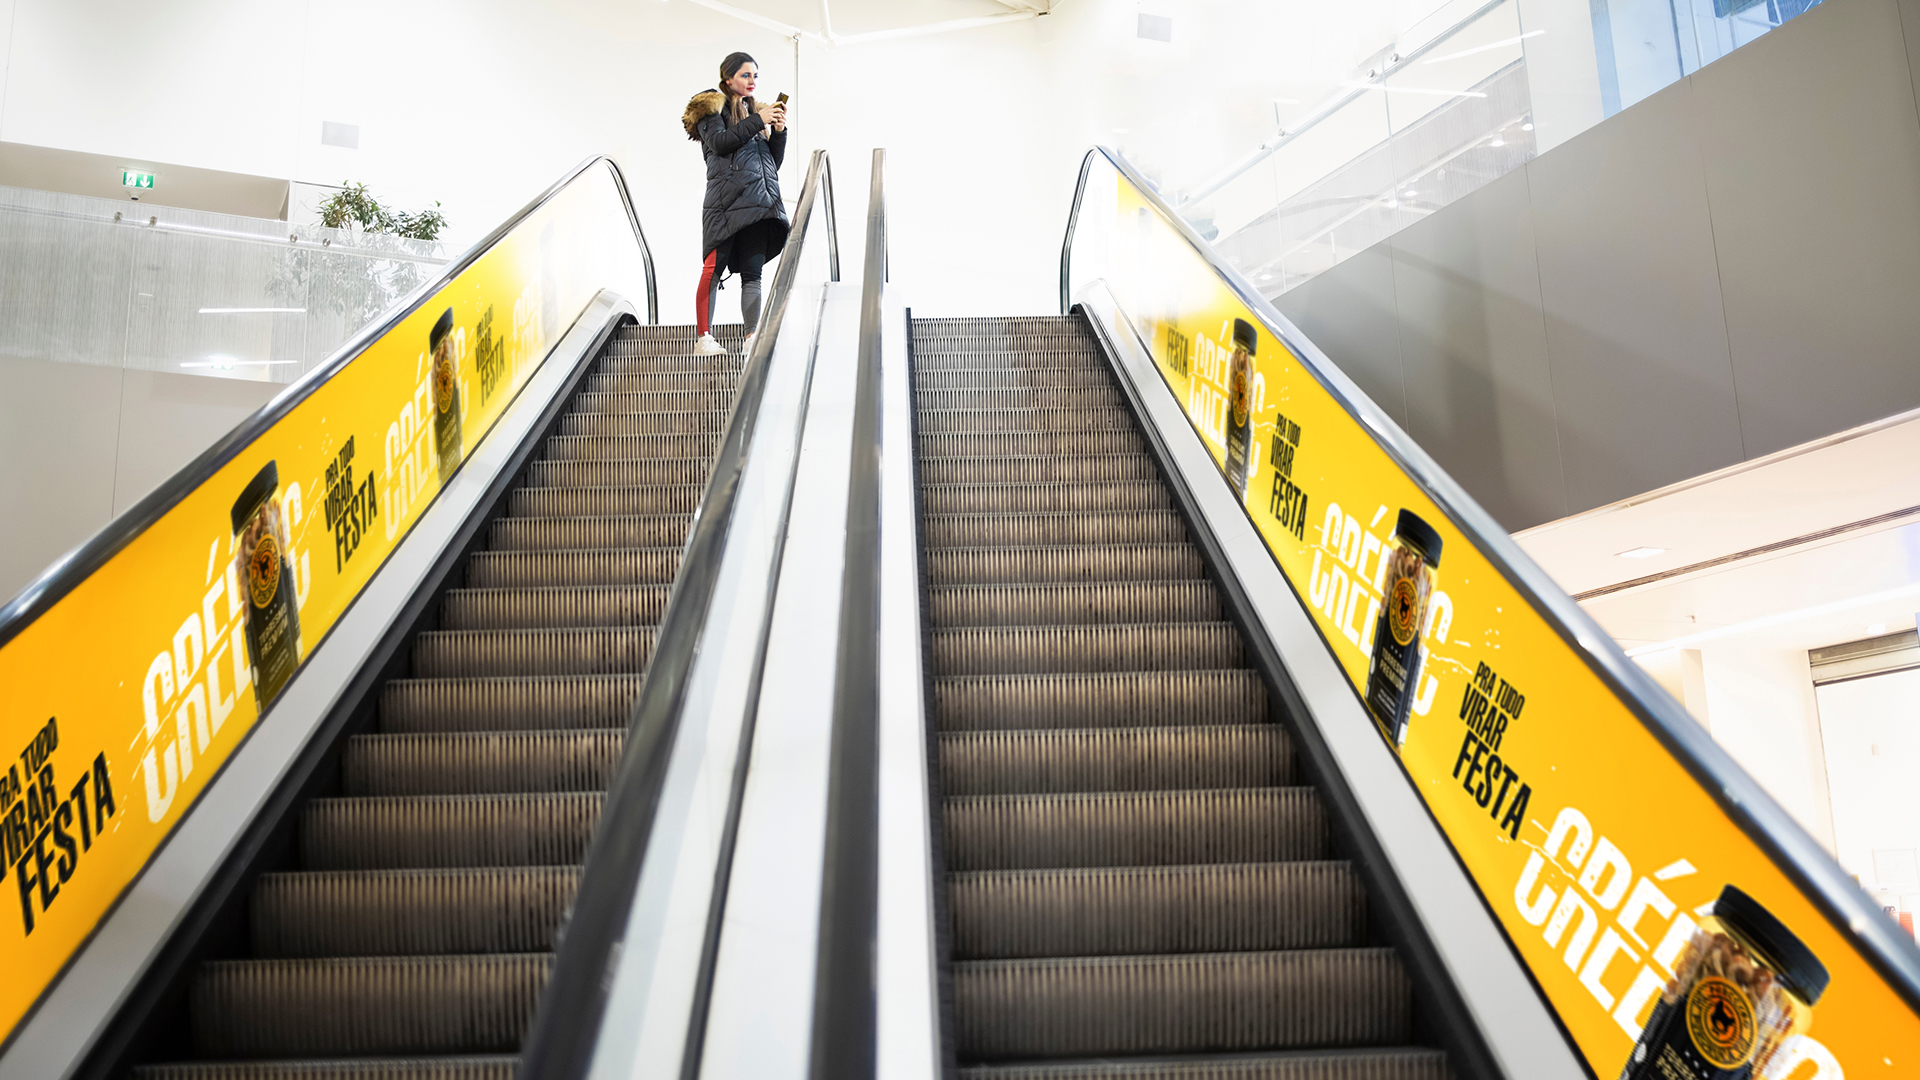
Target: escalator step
[[677, 382], [476, 653], [961, 421], [1043, 498], [1116, 699], [1008, 529], [493, 762], [1159, 828], [1092, 469], [497, 1067], [1080, 603], [653, 423], [569, 533], [628, 397], [1029, 443], [532, 569], [617, 471], [631, 402], [1036, 650], [1008, 378], [366, 1005], [1116, 911], [679, 446], [1179, 1004], [974, 344], [960, 324], [428, 831], [537, 703], [677, 501], [1399, 1064], [1004, 565], [411, 912], [1061, 397], [672, 340], [1114, 759], [630, 450], [554, 607], [618, 362]]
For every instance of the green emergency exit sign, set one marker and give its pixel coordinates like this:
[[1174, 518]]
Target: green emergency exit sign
[[129, 178]]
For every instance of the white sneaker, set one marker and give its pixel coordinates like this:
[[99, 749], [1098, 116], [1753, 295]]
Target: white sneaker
[[746, 348], [706, 346]]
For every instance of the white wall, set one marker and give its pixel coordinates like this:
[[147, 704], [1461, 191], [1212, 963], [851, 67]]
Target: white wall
[[1872, 736], [1760, 707], [481, 104]]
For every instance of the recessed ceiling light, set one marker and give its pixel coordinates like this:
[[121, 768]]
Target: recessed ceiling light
[[1641, 552], [1877, 628], [1498, 141], [1527, 126], [1411, 193]]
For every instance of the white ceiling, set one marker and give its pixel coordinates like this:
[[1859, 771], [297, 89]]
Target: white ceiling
[[1234, 71], [1834, 574]]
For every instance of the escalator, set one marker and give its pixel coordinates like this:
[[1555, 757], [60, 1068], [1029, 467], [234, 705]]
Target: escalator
[[414, 936], [1140, 882]]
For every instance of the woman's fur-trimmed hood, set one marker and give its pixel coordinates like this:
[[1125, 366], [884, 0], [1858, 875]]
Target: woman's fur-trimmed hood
[[704, 104]]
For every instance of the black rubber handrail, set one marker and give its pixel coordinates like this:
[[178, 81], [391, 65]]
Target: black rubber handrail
[[844, 996], [77, 565], [1852, 912], [567, 1024]]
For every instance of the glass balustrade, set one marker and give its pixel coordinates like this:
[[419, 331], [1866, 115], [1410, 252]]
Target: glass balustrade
[[125, 284], [1469, 94]]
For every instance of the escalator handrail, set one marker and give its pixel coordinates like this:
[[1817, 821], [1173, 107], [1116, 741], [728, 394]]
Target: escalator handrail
[[567, 1023], [844, 1005], [77, 565], [1746, 803]]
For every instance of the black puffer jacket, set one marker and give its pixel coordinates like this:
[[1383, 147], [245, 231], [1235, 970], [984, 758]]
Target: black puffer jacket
[[743, 171]]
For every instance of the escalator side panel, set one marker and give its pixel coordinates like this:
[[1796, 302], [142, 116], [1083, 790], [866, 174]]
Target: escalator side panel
[[153, 1020]]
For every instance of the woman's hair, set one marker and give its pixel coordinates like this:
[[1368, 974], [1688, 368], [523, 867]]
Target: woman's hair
[[728, 67]]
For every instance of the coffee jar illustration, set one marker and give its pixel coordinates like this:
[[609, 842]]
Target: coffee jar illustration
[[1240, 405], [1744, 985], [1393, 674], [266, 575], [445, 378]]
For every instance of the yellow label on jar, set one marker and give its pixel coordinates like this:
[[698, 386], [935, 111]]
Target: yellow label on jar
[[1404, 610], [263, 571], [443, 385], [1720, 1022]]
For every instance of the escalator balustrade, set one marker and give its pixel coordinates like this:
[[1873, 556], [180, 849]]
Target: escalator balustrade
[[416, 933], [1139, 882]]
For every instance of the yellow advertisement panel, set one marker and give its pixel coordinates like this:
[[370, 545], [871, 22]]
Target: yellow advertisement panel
[[1667, 941], [120, 703]]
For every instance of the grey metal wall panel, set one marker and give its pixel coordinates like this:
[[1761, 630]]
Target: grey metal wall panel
[[1810, 144], [58, 426], [1910, 29], [1350, 312], [1635, 332], [1474, 350]]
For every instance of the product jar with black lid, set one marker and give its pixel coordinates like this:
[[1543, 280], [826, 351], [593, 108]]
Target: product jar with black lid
[[266, 576], [1744, 985], [446, 396], [1240, 406], [1393, 675]]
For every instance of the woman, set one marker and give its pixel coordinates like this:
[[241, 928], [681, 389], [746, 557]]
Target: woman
[[742, 221]]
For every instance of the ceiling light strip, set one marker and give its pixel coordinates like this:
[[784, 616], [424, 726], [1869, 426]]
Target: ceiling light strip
[[1764, 549]]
